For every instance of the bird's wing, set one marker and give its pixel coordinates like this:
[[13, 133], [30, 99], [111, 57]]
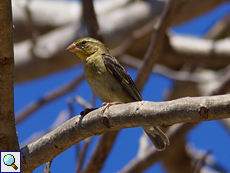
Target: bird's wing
[[122, 76]]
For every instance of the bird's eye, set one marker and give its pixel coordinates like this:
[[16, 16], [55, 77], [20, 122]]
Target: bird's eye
[[83, 42]]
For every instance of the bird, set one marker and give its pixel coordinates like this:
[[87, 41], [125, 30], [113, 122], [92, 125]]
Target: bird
[[110, 81]]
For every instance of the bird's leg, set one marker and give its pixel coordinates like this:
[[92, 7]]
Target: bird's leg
[[108, 104]]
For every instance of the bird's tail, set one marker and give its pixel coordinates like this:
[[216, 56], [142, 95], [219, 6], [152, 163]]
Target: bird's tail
[[158, 138]]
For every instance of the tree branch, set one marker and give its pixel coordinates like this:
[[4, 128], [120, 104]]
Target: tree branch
[[106, 141], [82, 155], [50, 46], [157, 41], [101, 152], [139, 164], [69, 12], [117, 117], [8, 135], [220, 29], [32, 107], [90, 19]]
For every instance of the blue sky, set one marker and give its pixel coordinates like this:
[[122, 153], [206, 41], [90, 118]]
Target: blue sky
[[207, 135]]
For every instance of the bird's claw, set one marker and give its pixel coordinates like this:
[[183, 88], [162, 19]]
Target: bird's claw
[[106, 105]]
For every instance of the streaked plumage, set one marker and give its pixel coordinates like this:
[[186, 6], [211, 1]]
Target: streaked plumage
[[110, 81]]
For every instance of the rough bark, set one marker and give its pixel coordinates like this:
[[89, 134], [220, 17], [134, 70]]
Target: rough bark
[[117, 117], [8, 135]]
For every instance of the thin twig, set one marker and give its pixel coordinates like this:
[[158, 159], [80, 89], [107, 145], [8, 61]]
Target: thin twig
[[71, 107], [157, 41], [81, 157], [34, 106], [220, 29], [199, 163], [47, 168], [137, 34], [139, 164], [167, 72], [81, 154], [61, 118], [204, 157], [71, 112], [81, 101], [226, 124], [223, 86]]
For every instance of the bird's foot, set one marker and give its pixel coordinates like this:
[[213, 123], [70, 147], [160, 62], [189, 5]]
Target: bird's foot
[[106, 105]]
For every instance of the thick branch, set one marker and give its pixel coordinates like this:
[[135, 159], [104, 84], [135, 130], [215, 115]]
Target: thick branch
[[101, 152], [50, 47], [197, 51], [106, 141], [69, 12], [91, 20], [8, 136], [49, 52], [117, 117]]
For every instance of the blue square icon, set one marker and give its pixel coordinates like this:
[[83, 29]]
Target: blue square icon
[[10, 161]]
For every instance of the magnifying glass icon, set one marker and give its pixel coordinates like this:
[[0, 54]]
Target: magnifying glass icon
[[9, 160]]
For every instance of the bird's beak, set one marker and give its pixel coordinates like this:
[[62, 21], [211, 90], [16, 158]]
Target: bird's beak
[[72, 48]]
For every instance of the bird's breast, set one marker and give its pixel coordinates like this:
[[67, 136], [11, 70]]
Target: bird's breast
[[106, 86]]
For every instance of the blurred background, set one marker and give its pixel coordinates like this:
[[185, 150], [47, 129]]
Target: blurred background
[[194, 61]]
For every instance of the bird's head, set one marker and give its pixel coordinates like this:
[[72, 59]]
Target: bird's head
[[86, 47]]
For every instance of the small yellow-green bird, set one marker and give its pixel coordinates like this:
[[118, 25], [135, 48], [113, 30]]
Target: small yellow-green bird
[[110, 81]]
